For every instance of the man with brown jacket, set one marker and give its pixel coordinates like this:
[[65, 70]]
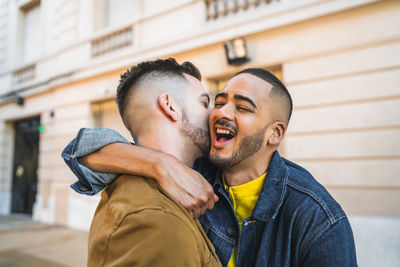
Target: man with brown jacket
[[136, 223]]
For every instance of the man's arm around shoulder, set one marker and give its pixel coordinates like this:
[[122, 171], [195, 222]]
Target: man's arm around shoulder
[[87, 141], [98, 155]]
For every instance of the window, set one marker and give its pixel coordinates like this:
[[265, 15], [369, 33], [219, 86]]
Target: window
[[3, 29], [106, 115], [30, 33], [110, 13]]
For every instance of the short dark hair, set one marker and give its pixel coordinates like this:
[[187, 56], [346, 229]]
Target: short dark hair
[[165, 67], [278, 87]]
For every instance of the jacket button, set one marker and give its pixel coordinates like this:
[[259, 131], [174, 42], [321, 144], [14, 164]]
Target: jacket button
[[229, 231], [83, 188]]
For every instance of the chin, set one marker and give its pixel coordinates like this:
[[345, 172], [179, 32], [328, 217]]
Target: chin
[[222, 162]]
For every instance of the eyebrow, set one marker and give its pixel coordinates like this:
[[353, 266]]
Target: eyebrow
[[245, 98], [224, 95], [238, 97]]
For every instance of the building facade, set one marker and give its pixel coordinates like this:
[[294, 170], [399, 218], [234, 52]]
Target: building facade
[[60, 62]]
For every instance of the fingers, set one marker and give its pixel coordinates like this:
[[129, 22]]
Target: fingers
[[190, 189], [196, 213], [198, 205], [203, 209], [191, 213], [199, 210], [194, 206], [210, 203], [216, 198], [210, 196]]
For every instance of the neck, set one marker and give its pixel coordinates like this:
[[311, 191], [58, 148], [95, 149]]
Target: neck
[[168, 140], [249, 169]]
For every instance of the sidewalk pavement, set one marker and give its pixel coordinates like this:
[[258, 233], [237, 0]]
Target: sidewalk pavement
[[24, 242]]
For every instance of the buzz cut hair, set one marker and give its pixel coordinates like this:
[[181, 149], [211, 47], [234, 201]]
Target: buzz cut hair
[[160, 67], [278, 88]]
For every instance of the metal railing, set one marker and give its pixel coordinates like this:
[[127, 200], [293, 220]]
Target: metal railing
[[24, 74], [112, 41], [219, 8]]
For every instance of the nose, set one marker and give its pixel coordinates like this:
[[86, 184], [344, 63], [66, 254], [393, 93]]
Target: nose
[[226, 112]]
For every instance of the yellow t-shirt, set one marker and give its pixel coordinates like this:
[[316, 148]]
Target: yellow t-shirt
[[244, 197]]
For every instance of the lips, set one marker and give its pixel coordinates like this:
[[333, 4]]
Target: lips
[[224, 134]]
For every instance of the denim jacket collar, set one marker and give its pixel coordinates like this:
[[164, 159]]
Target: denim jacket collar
[[272, 192]]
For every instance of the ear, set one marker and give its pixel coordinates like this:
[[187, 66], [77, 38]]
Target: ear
[[168, 106], [278, 129]]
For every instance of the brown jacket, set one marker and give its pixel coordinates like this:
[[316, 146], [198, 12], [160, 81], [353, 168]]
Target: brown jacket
[[137, 224]]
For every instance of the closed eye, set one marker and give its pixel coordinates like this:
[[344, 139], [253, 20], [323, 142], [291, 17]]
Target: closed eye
[[241, 108], [205, 100]]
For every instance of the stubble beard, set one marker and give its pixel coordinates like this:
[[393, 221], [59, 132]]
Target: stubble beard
[[247, 147], [200, 137]]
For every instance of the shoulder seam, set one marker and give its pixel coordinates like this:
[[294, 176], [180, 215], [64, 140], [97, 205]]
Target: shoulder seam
[[116, 225], [323, 228], [117, 222], [332, 218]]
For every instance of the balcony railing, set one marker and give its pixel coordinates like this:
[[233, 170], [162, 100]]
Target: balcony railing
[[24, 74], [112, 41], [220, 8]]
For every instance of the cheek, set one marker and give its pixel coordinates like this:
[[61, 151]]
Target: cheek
[[247, 127], [202, 116], [204, 120], [212, 116]]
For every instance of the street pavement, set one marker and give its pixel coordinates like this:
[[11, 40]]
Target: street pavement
[[24, 242]]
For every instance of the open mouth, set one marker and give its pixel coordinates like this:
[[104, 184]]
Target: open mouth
[[223, 135]]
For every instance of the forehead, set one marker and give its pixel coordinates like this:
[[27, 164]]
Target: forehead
[[248, 85]]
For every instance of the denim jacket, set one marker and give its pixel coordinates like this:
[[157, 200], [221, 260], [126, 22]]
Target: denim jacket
[[294, 223]]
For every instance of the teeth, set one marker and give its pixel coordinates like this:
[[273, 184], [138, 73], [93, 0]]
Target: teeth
[[222, 131]]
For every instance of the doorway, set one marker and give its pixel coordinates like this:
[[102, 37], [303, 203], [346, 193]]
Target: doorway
[[26, 153]]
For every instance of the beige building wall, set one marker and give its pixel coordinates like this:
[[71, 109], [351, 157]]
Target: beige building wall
[[339, 59]]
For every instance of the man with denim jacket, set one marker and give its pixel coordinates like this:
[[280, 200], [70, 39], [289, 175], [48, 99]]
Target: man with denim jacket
[[295, 222]]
